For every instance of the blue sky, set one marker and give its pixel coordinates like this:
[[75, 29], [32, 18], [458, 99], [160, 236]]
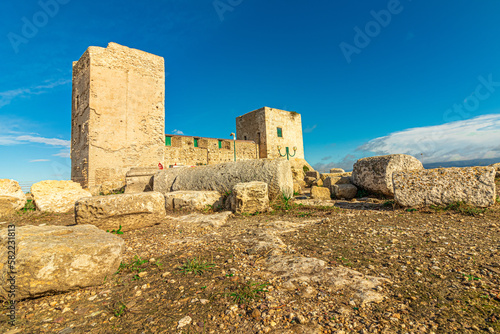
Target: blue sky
[[368, 77]]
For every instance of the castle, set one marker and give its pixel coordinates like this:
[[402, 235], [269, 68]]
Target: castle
[[118, 122]]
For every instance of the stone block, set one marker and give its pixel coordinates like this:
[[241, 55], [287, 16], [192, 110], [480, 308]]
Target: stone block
[[322, 193], [443, 186], [193, 200], [57, 196], [140, 179], [375, 173], [337, 170], [131, 211], [313, 173], [345, 191], [250, 197], [12, 198], [56, 259]]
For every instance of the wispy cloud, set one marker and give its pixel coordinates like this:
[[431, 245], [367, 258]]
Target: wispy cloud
[[17, 140], [476, 138], [346, 163], [63, 154], [7, 96], [177, 132], [39, 160], [310, 129]]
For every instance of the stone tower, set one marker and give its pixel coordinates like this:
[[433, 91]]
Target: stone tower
[[271, 128], [118, 114]]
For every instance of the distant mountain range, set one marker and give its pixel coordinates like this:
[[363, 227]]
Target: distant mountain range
[[462, 163]]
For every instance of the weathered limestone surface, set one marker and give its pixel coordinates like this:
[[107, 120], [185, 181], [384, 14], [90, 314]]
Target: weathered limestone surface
[[118, 113], [250, 197], [223, 177], [313, 173], [262, 125], [497, 168], [193, 200], [347, 191], [57, 196], [131, 211], [52, 259], [337, 170], [140, 179], [442, 186], [323, 176], [108, 187], [331, 181], [297, 189], [320, 193], [375, 173], [12, 197]]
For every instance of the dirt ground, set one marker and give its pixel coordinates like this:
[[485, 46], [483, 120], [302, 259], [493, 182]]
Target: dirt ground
[[441, 269]]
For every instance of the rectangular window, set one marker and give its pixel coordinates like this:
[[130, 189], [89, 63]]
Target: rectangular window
[[168, 141], [196, 142], [280, 133], [220, 143]]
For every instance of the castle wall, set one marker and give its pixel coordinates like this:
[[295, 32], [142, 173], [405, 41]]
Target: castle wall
[[126, 113], [252, 126], [183, 152]]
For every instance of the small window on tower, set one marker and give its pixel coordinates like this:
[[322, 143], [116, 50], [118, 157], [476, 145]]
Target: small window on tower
[[245, 137], [168, 141], [220, 143], [280, 133], [196, 142]]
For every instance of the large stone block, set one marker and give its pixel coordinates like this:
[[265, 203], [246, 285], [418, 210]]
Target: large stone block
[[337, 170], [442, 186], [57, 196], [375, 173], [345, 191], [497, 168], [250, 197], [223, 177], [313, 173], [131, 211], [320, 193], [193, 200], [12, 197], [331, 181], [54, 259], [323, 176], [140, 179]]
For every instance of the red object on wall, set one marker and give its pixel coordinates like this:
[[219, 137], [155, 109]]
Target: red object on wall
[[160, 166]]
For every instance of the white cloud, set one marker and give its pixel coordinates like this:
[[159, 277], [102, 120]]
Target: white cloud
[[476, 138], [177, 132], [7, 96], [16, 140], [63, 154], [39, 160], [310, 129], [346, 164]]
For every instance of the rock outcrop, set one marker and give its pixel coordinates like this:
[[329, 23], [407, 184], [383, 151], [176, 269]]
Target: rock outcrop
[[345, 191], [497, 168], [193, 200], [250, 197], [375, 173], [223, 177], [54, 259], [12, 197], [130, 211], [57, 196], [443, 186]]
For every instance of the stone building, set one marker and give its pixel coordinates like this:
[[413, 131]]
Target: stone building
[[272, 129], [117, 114], [192, 151], [118, 121]]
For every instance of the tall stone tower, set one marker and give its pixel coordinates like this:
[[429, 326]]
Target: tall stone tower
[[118, 114], [272, 128]]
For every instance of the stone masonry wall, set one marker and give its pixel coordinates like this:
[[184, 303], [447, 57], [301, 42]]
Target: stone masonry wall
[[261, 126], [183, 152], [125, 121]]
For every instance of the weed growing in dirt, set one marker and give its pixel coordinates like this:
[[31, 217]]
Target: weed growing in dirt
[[120, 310], [114, 192], [29, 206], [134, 266], [305, 169], [471, 277], [119, 231], [246, 292], [196, 266], [460, 207]]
